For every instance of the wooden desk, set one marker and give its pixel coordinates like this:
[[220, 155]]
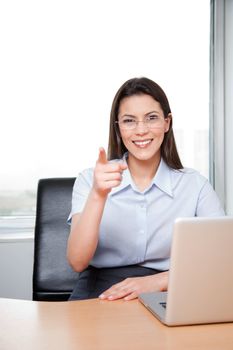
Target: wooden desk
[[103, 325]]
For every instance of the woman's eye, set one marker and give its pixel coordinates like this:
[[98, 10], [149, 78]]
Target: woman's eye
[[128, 121], [153, 117]]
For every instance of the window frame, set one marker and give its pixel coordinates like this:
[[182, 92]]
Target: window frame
[[221, 106]]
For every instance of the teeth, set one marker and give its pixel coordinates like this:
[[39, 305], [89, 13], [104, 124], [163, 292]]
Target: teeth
[[142, 143]]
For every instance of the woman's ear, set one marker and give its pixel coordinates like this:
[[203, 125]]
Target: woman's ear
[[168, 122]]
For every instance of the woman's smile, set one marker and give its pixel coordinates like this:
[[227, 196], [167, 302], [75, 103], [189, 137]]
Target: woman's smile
[[142, 143]]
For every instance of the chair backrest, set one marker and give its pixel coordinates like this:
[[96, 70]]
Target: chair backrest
[[53, 278]]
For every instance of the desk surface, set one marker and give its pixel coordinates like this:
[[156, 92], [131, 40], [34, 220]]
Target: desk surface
[[95, 324]]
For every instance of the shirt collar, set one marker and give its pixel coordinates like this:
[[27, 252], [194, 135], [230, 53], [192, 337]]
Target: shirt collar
[[162, 178]]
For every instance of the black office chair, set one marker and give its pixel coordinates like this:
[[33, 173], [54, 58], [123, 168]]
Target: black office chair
[[53, 278]]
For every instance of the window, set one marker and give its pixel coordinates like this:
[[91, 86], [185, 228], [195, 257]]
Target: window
[[60, 66]]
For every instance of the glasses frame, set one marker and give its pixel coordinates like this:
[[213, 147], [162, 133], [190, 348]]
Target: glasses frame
[[145, 122]]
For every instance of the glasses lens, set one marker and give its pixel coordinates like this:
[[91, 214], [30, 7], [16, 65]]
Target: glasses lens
[[151, 122], [155, 122], [127, 124]]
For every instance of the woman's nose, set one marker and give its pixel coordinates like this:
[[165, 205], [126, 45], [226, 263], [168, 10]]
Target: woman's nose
[[141, 127]]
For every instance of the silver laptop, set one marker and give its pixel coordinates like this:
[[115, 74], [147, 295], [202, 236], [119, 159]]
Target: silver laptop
[[200, 287]]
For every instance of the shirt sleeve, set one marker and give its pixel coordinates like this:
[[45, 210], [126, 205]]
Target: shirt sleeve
[[208, 202], [81, 189]]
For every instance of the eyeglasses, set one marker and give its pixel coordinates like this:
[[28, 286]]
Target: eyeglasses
[[151, 122]]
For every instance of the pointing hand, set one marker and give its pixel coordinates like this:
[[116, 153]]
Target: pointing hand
[[107, 174]]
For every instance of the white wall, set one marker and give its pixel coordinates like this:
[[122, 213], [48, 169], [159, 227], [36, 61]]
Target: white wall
[[16, 263]]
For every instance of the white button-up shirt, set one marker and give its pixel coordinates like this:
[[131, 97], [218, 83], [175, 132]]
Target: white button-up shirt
[[136, 227]]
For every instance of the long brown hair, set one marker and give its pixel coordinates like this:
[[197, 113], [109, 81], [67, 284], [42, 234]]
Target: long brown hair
[[137, 86]]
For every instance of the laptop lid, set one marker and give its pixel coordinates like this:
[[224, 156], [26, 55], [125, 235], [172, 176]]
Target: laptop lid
[[200, 288]]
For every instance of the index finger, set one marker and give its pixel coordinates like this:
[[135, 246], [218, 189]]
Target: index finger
[[102, 156]]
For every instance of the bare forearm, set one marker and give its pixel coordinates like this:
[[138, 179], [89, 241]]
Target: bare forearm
[[130, 288], [84, 233]]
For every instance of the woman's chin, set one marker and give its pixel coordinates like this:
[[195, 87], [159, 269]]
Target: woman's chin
[[144, 155]]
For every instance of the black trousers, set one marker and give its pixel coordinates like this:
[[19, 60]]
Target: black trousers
[[93, 281]]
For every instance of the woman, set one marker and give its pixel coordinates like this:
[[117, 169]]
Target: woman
[[123, 210]]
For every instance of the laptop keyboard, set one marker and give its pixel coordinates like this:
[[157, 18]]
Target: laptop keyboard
[[163, 304]]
